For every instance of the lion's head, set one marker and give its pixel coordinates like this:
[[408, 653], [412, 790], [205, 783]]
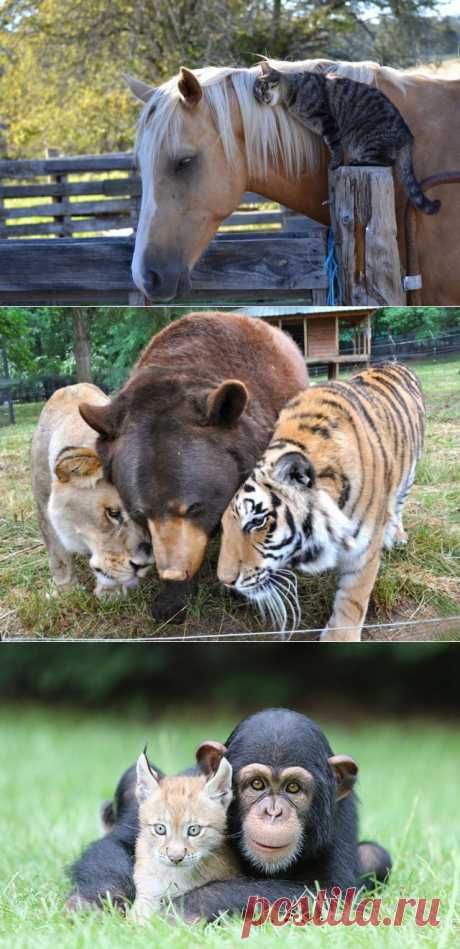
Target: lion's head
[[89, 518]]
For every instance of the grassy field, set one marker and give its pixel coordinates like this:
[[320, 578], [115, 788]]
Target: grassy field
[[419, 582], [62, 765]]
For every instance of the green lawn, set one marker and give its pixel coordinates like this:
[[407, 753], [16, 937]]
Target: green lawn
[[421, 581], [62, 765]]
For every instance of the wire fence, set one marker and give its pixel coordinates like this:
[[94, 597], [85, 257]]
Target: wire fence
[[39, 388]]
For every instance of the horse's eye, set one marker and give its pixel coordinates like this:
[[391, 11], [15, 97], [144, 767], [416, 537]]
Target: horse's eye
[[114, 514], [182, 164]]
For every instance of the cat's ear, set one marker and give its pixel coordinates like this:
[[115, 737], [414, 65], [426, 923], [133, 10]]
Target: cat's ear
[[147, 780], [219, 786]]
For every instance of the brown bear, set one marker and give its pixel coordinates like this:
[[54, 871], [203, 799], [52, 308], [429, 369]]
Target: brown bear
[[188, 426]]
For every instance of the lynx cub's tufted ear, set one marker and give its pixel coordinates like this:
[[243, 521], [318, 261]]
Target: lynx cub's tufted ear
[[219, 786], [346, 773], [140, 90], [294, 469], [264, 67], [78, 463], [226, 403], [147, 779], [189, 87]]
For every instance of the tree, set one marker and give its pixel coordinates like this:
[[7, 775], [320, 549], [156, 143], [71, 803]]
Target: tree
[[61, 60]]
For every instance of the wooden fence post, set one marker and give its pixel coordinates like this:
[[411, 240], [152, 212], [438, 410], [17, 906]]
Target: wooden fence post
[[63, 219], [363, 220]]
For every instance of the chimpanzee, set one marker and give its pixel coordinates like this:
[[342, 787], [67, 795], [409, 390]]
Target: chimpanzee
[[293, 822]]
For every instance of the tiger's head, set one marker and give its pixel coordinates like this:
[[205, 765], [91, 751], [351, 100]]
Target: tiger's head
[[280, 518]]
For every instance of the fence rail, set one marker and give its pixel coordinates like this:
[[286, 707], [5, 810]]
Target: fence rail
[[67, 227]]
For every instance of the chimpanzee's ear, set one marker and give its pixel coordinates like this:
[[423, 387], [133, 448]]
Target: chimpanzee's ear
[[147, 779], [107, 816], [219, 785], [105, 419], [226, 403], [189, 87], [346, 773], [294, 469], [209, 755]]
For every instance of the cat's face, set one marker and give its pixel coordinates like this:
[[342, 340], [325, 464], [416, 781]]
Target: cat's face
[[183, 818], [267, 89]]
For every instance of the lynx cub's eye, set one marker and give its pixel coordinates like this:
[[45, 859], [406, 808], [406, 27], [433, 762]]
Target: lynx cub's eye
[[257, 784], [114, 514], [159, 829], [293, 787], [194, 830]]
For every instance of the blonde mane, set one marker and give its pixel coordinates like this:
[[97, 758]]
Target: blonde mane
[[270, 136]]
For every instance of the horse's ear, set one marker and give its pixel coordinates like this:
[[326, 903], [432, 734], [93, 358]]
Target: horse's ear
[[140, 90], [189, 87]]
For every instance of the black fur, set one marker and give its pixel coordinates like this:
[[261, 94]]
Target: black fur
[[330, 854]]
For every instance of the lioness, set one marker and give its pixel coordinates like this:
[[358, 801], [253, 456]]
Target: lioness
[[79, 512]]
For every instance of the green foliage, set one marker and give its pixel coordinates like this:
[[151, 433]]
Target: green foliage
[[423, 321], [61, 61]]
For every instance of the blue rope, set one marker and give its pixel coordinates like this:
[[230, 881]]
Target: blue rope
[[333, 286]]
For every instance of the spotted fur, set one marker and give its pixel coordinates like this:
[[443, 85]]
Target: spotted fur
[[327, 494]]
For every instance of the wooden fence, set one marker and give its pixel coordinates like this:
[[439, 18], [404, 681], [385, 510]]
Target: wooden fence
[[67, 226], [66, 236]]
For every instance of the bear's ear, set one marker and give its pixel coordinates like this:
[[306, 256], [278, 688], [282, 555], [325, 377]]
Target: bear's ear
[[346, 773], [294, 469], [78, 463], [209, 755], [104, 419], [226, 403], [189, 87]]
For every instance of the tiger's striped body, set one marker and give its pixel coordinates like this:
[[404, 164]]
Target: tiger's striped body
[[328, 493]]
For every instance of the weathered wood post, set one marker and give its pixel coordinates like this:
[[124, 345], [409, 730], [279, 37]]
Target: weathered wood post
[[363, 221], [64, 219]]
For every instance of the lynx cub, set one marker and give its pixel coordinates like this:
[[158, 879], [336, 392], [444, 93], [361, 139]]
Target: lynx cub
[[181, 842]]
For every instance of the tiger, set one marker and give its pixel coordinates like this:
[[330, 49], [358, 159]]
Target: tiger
[[328, 494]]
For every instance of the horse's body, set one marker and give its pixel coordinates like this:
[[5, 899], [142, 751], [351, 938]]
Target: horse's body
[[203, 141]]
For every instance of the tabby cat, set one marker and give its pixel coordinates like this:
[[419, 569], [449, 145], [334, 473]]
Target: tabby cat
[[327, 494], [350, 116], [182, 836]]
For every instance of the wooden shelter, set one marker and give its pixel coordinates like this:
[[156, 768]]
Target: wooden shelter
[[316, 330]]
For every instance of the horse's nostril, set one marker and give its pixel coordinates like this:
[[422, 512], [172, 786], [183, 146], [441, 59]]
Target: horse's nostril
[[151, 279]]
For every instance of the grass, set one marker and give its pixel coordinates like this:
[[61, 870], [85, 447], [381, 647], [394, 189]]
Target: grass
[[421, 581], [61, 766]]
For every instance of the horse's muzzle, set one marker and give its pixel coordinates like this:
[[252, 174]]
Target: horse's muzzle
[[164, 281]]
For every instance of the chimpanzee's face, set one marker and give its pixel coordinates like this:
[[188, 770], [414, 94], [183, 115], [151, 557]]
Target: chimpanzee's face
[[273, 805], [287, 784]]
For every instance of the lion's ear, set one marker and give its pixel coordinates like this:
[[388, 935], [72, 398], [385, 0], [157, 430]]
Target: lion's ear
[[78, 463]]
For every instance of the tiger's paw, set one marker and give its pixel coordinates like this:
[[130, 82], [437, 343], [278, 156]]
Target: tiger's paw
[[340, 634]]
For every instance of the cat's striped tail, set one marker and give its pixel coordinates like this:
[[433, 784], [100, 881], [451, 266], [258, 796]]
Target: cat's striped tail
[[405, 169]]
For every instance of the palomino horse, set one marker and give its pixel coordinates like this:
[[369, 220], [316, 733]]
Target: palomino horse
[[203, 141]]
